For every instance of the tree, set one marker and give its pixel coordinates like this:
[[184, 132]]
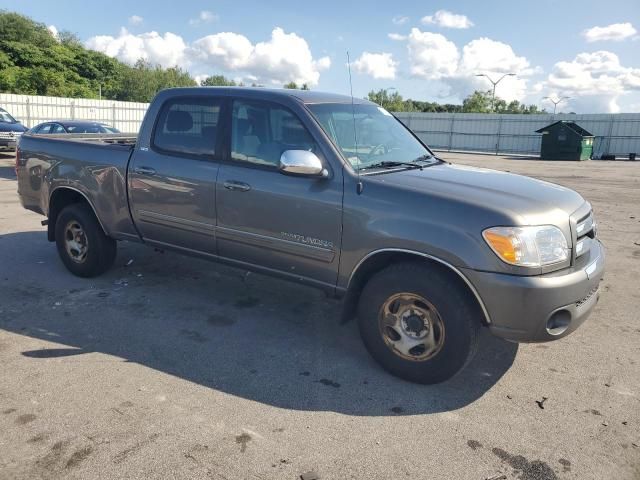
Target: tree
[[217, 81], [291, 86], [32, 61], [477, 102], [393, 102]]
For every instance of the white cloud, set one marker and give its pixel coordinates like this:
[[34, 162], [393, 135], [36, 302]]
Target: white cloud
[[432, 56], [486, 55], [447, 19], [592, 73], [53, 31], [400, 19], [596, 81], [376, 65], [283, 58], [205, 16], [135, 20], [397, 37], [495, 59], [616, 32], [167, 50]]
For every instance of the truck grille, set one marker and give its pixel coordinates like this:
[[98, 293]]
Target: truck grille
[[585, 234], [10, 135]]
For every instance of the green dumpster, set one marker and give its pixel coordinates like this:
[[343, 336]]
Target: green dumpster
[[565, 140]]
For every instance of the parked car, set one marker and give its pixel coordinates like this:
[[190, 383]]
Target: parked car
[[72, 126], [338, 195], [10, 130]]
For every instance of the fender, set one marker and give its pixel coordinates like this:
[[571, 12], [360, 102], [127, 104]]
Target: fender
[[430, 257], [51, 226]]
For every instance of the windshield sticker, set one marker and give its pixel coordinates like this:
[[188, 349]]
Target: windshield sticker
[[384, 112]]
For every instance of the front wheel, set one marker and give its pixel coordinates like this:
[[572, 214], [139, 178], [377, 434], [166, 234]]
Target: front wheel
[[82, 244], [418, 323]]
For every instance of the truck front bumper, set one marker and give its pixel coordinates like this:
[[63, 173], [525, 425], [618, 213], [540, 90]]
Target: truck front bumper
[[540, 308]]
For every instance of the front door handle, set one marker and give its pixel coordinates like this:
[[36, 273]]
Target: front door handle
[[237, 186], [144, 171]]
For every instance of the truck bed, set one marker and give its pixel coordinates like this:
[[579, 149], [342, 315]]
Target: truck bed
[[94, 165]]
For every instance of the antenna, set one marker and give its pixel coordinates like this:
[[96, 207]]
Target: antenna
[[359, 185]]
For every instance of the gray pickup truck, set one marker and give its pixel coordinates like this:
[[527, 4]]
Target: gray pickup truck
[[335, 193]]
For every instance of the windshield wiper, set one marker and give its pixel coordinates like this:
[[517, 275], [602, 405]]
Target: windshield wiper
[[391, 164]]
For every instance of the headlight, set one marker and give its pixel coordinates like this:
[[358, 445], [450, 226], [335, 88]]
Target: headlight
[[528, 246]]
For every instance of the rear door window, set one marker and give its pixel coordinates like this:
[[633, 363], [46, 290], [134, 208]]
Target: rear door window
[[188, 126]]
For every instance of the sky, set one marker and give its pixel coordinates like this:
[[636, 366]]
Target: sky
[[587, 50]]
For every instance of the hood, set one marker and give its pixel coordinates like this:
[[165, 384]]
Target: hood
[[12, 127], [528, 200]]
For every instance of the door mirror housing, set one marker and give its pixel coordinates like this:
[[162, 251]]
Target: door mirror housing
[[302, 163]]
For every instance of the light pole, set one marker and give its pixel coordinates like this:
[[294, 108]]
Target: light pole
[[556, 102], [494, 83]]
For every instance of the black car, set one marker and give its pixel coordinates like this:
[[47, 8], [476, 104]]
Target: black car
[[10, 130], [73, 126]]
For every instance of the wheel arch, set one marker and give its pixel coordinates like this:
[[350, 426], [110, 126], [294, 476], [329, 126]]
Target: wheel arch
[[377, 260], [62, 197]]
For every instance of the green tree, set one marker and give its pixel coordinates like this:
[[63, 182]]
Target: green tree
[[393, 102], [477, 102], [217, 81], [291, 86], [32, 61]]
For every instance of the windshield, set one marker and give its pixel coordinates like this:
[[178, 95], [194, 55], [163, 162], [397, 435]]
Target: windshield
[[380, 137], [5, 117]]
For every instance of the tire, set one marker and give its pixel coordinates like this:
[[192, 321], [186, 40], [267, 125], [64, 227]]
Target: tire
[[94, 252], [417, 302]]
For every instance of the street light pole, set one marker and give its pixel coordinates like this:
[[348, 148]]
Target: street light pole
[[555, 102], [494, 83]]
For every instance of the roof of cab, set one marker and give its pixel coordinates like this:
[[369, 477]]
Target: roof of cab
[[305, 96]]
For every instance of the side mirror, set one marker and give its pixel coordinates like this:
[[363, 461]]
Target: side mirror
[[302, 163]]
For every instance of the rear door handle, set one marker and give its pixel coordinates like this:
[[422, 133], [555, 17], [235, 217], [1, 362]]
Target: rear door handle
[[237, 186], [144, 171]]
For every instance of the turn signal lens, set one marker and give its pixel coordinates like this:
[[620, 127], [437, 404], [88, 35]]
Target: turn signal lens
[[531, 246]]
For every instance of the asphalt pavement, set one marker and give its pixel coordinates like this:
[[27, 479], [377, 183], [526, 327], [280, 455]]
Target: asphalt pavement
[[173, 367]]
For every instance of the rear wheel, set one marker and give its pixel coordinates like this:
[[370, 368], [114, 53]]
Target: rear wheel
[[418, 323], [82, 244]]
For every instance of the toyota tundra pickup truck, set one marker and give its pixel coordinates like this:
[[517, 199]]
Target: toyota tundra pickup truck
[[332, 192]]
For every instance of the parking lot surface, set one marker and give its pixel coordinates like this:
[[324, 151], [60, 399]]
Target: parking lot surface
[[172, 367]]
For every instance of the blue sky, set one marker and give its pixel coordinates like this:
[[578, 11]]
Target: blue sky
[[551, 45]]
